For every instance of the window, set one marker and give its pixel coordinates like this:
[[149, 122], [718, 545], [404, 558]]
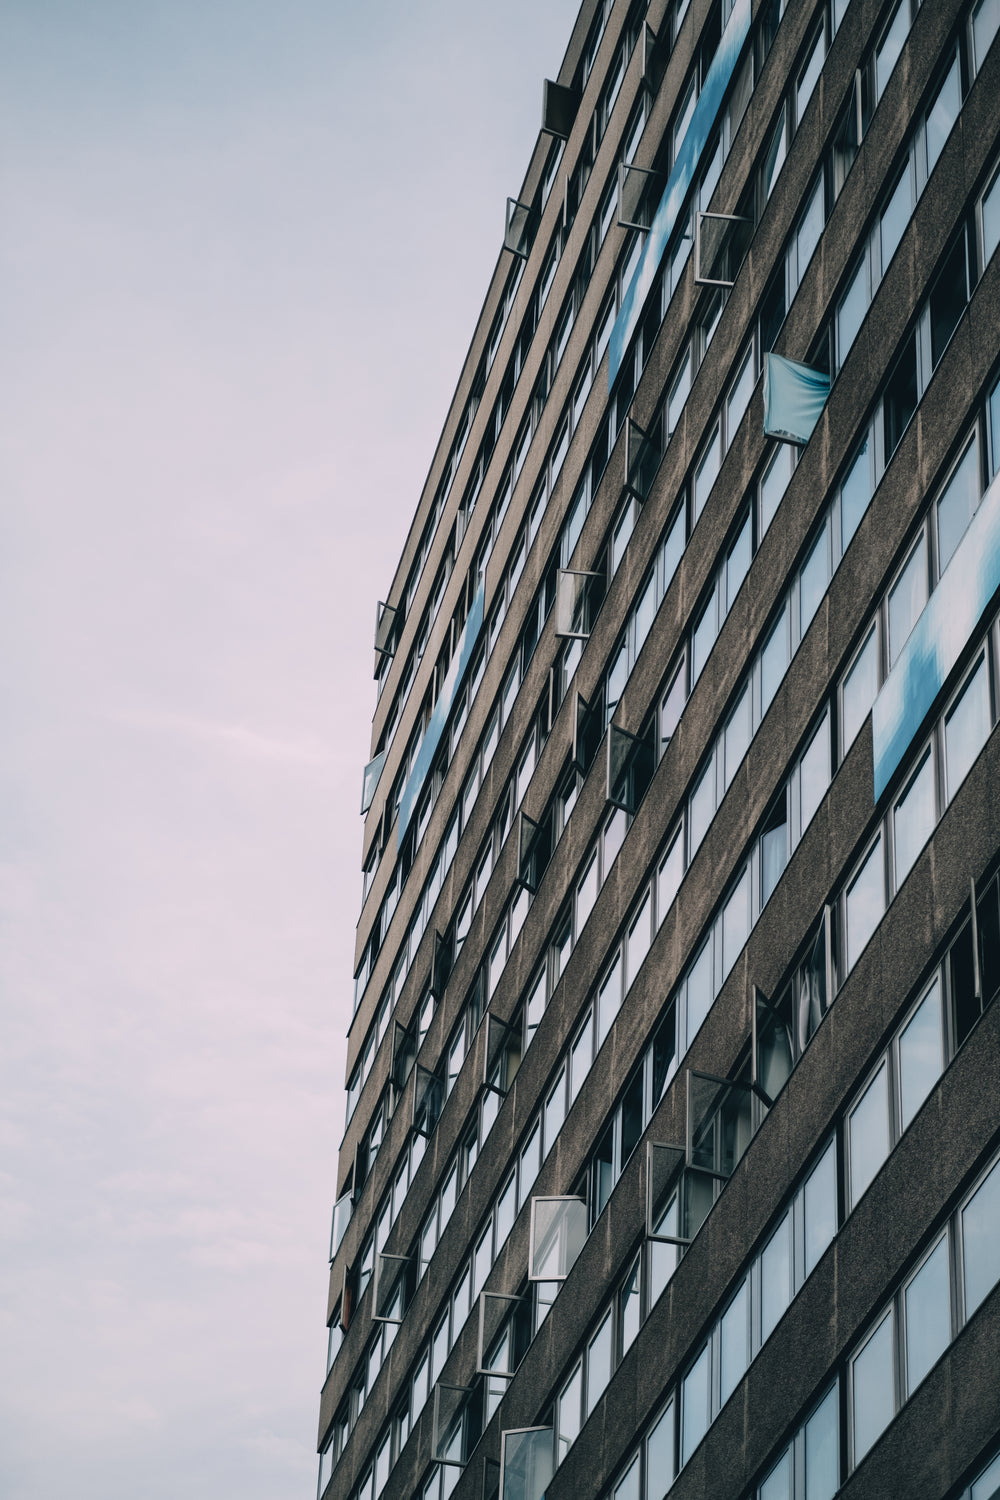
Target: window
[[990, 208], [868, 1134], [985, 23], [981, 1241], [888, 50], [966, 727], [872, 1388], [864, 903], [810, 73], [943, 113], [913, 819]]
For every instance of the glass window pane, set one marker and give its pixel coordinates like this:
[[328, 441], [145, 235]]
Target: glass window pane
[[629, 1309], [581, 1056], [815, 771], [957, 505], [739, 396], [586, 893], [702, 807], [860, 688], [739, 732], [703, 638], [851, 312], [981, 1241], [914, 818], [855, 494], [868, 1134], [628, 1487], [699, 989], [887, 53], [921, 1054], [679, 392], [738, 562], [530, 1162], [967, 728], [874, 1402], [895, 218], [639, 939], [774, 484], [734, 1342], [736, 922], [813, 580], [907, 597], [707, 471], [820, 1207], [669, 876], [778, 1484], [865, 903], [660, 1453], [598, 1363], [810, 73], [694, 1406], [775, 1276], [774, 660], [942, 114], [569, 1420], [987, 1486], [823, 1449], [775, 156], [773, 850], [928, 1315], [555, 1111], [985, 23], [609, 999], [991, 209]]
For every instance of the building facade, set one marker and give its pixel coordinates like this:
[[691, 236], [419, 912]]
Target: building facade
[[673, 1114]]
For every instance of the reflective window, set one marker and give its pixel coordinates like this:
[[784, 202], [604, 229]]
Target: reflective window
[[694, 1406], [957, 504], [943, 113], [860, 687], [865, 903], [981, 1241], [895, 217], [598, 1363], [868, 1134], [775, 1277], [823, 1449], [734, 1340], [873, 1388], [809, 75], [967, 727], [991, 210], [891, 45], [855, 495], [914, 816], [907, 597], [921, 1054], [927, 1302], [851, 311]]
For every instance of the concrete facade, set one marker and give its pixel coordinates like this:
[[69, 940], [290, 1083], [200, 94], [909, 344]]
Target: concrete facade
[[460, 938]]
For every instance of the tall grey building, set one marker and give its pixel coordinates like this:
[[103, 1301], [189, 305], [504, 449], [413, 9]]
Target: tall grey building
[[672, 1151]]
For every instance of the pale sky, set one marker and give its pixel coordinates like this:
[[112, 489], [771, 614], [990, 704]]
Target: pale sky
[[242, 248]]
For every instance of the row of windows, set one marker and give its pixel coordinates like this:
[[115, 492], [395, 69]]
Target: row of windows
[[789, 816], [580, 505], [787, 821], [930, 1307], [916, 1058], [926, 1313], [520, 447]]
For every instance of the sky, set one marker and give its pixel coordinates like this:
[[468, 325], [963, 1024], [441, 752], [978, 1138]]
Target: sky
[[243, 246]]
